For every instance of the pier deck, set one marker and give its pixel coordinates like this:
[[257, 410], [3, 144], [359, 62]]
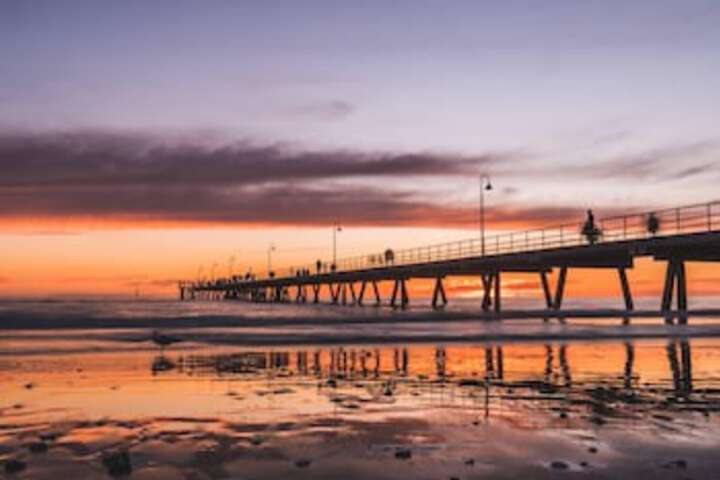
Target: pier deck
[[674, 236]]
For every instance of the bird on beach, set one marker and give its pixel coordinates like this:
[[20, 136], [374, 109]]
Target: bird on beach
[[163, 340]]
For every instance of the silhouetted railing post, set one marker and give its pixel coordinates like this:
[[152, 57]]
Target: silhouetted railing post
[[624, 228], [709, 217]]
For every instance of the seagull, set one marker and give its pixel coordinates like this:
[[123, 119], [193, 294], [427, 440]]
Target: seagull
[[162, 340]]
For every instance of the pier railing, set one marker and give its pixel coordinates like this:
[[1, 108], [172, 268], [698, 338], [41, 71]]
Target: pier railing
[[689, 219]]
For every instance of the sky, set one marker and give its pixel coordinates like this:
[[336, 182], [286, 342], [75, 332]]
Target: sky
[[143, 141]]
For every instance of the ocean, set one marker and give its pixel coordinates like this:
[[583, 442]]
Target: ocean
[[302, 391]]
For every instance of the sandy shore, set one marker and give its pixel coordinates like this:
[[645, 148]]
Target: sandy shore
[[353, 412]]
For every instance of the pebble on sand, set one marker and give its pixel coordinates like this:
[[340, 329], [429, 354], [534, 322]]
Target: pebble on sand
[[558, 465], [302, 463], [678, 464], [403, 453], [14, 466], [38, 447], [257, 439], [118, 464]]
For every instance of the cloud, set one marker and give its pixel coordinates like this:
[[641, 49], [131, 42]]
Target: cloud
[[87, 159], [325, 111], [672, 162], [291, 205], [111, 177], [129, 177]]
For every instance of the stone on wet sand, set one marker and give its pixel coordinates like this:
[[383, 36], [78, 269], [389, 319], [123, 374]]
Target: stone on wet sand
[[403, 453], [559, 465], [257, 440], [470, 382], [283, 391], [38, 447], [598, 420], [676, 464], [14, 465], [118, 464], [302, 463]]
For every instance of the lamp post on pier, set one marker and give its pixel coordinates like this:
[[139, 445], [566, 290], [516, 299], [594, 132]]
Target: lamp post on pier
[[231, 264], [485, 185], [271, 249], [336, 228]]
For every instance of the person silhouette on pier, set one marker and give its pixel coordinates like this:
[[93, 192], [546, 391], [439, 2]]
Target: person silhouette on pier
[[318, 266], [590, 230], [653, 224]]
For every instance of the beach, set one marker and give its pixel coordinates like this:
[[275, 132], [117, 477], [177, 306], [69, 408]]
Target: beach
[[423, 399]]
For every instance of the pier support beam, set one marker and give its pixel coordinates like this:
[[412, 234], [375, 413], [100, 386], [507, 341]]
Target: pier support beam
[[301, 296], [404, 298], [675, 286], [334, 293], [627, 295], [491, 291], [400, 288], [439, 293], [343, 293], [560, 290], [556, 302], [487, 285], [351, 286], [316, 293], [546, 289], [361, 295], [378, 300]]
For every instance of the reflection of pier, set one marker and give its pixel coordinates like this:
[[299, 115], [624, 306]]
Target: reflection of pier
[[674, 236], [551, 374], [680, 360]]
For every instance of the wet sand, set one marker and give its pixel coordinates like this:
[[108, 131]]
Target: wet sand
[[570, 409]]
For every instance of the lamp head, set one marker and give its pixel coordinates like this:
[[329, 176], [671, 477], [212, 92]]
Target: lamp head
[[488, 186]]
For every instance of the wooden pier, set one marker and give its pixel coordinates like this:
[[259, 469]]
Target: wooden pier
[[673, 236]]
